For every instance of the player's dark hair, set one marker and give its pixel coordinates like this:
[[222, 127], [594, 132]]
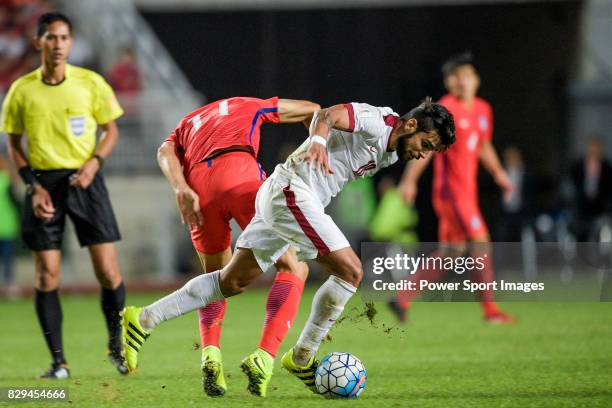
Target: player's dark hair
[[456, 61], [433, 116], [47, 19]]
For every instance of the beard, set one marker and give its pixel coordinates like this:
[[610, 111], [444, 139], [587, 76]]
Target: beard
[[401, 149]]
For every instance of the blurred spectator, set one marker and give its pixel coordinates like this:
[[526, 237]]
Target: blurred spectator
[[124, 75], [81, 53], [393, 220], [17, 29], [9, 223], [13, 48], [591, 179], [12, 45], [513, 217], [353, 209]]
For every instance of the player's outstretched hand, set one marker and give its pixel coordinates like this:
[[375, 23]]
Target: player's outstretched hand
[[409, 192], [42, 203], [189, 205], [317, 153], [503, 181], [85, 175]]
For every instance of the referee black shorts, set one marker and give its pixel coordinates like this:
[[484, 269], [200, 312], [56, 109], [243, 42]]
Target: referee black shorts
[[89, 209]]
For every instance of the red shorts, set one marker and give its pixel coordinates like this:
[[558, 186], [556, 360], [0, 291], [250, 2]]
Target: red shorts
[[459, 221], [227, 186]]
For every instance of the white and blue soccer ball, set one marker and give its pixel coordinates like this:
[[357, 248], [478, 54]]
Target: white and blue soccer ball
[[340, 375]]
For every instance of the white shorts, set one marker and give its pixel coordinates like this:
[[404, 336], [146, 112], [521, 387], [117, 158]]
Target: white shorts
[[288, 213]]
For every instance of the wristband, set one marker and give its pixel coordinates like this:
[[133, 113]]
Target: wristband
[[318, 139], [100, 160], [27, 176]]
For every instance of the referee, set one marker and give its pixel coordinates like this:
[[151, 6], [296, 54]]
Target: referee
[[58, 107]]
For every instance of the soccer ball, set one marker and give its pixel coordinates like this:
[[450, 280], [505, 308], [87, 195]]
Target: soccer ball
[[340, 375]]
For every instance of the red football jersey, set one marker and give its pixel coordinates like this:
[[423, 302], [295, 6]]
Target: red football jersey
[[456, 170], [222, 124]]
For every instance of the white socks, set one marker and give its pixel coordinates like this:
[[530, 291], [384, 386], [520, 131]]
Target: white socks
[[327, 305], [196, 293]]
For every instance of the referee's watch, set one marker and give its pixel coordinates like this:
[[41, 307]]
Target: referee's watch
[[29, 179], [30, 188], [100, 160]]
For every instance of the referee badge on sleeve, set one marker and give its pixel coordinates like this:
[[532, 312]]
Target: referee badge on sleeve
[[113, 103], [77, 124]]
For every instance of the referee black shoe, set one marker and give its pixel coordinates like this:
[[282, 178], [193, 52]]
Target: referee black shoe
[[116, 359], [56, 372]]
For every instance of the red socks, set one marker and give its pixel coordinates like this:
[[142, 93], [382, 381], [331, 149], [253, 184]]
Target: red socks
[[485, 275], [211, 319], [404, 297], [489, 307], [281, 308]]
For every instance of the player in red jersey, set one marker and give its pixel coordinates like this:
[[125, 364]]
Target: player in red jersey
[[455, 189], [210, 159]]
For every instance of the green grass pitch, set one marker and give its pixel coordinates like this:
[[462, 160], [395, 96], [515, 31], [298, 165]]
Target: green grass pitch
[[557, 355]]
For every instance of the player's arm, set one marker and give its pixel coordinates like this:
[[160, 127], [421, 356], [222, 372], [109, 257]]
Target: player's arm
[[490, 161], [294, 111], [108, 140], [15, 151], [171, 166], [41, 199], [335, 117], [410, 179], [324, 120], [187, 200]]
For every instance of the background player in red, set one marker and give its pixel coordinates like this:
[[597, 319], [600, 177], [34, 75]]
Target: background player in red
[[455, 185], [210, 159]]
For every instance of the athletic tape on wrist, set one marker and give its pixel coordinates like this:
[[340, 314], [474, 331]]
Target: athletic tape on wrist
[[318, 139]]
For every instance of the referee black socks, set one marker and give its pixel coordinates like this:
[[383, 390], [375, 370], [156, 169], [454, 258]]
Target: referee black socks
[[49, 312], [113, 302]]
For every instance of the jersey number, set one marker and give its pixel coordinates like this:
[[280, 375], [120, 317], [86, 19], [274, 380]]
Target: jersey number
[[223, 108], [472, 141], [196, 121]]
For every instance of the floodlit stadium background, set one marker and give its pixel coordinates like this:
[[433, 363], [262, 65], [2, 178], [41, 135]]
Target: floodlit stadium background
[[546, 67]]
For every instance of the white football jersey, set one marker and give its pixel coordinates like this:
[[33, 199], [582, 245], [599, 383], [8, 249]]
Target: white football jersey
[[360, 153]]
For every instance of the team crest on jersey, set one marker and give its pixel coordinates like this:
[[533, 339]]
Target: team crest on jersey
[[483, 122], [77, 125]]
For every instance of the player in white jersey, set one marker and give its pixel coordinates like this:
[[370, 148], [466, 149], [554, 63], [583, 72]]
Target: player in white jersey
[[290, 207], [346, 142]]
